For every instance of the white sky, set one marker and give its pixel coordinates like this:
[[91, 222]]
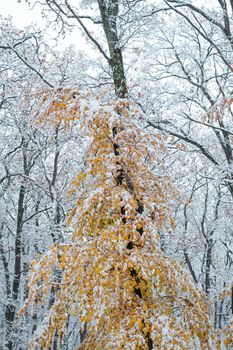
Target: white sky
[[20, 12], [22, 16]]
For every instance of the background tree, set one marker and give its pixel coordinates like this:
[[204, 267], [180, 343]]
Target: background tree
[[34, 171], [198, 114]]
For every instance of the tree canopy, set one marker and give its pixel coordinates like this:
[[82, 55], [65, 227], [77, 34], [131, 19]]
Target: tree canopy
[[113, 275], [116, 182]]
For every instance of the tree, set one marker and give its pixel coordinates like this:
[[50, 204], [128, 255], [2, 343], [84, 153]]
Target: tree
[[116, 26], [113, 275], [18, 157], [34, 171], [205, 73], [186, 93], [199, 56]]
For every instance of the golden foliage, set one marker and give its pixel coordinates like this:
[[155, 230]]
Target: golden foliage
[[227, 334], [114, 275]]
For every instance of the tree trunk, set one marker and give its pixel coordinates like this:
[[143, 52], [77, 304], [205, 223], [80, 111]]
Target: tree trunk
[[208, 266], [109, 18], [10, 308]]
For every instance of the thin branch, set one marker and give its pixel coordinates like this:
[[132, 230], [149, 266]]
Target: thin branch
[[87, 31], [36, 213], [163, 9], [27, 64], [204, 151], [209, 125], [203, 35], [201, 12]]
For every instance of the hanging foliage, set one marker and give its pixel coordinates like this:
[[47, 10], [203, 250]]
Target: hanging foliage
[[113, 275]]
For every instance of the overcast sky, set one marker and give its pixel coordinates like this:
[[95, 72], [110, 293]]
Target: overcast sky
[[22, 16], [20, 12]]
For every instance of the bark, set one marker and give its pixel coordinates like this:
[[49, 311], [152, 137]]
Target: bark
[[208, 266], [231, 2], [11, 307], [232, 299], [220, 314], [188, 262], [109, 13], [5, 266], [83, 333], [10, 311], [122, 177]]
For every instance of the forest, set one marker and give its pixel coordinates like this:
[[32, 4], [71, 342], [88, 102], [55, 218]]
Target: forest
[[116, 176]]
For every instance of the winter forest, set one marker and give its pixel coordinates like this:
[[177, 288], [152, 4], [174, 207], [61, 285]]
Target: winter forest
[[116, 176]]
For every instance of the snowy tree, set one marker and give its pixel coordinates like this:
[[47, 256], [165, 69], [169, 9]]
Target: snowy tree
[[34, 170], [113, 275]]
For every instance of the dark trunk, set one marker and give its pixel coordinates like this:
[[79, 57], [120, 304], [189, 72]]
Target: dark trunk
[[122, 178], [83, 333], [9, 317], [188, 262], [232, 299], [109, 14], [18, 244], [208, 266], [10, 308]]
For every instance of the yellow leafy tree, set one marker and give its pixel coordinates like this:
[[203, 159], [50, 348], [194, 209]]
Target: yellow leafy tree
[[113, 275]]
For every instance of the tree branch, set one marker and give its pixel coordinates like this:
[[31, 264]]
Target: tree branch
[[207, 38], [204, 151], [27, 64], [87, 31]]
